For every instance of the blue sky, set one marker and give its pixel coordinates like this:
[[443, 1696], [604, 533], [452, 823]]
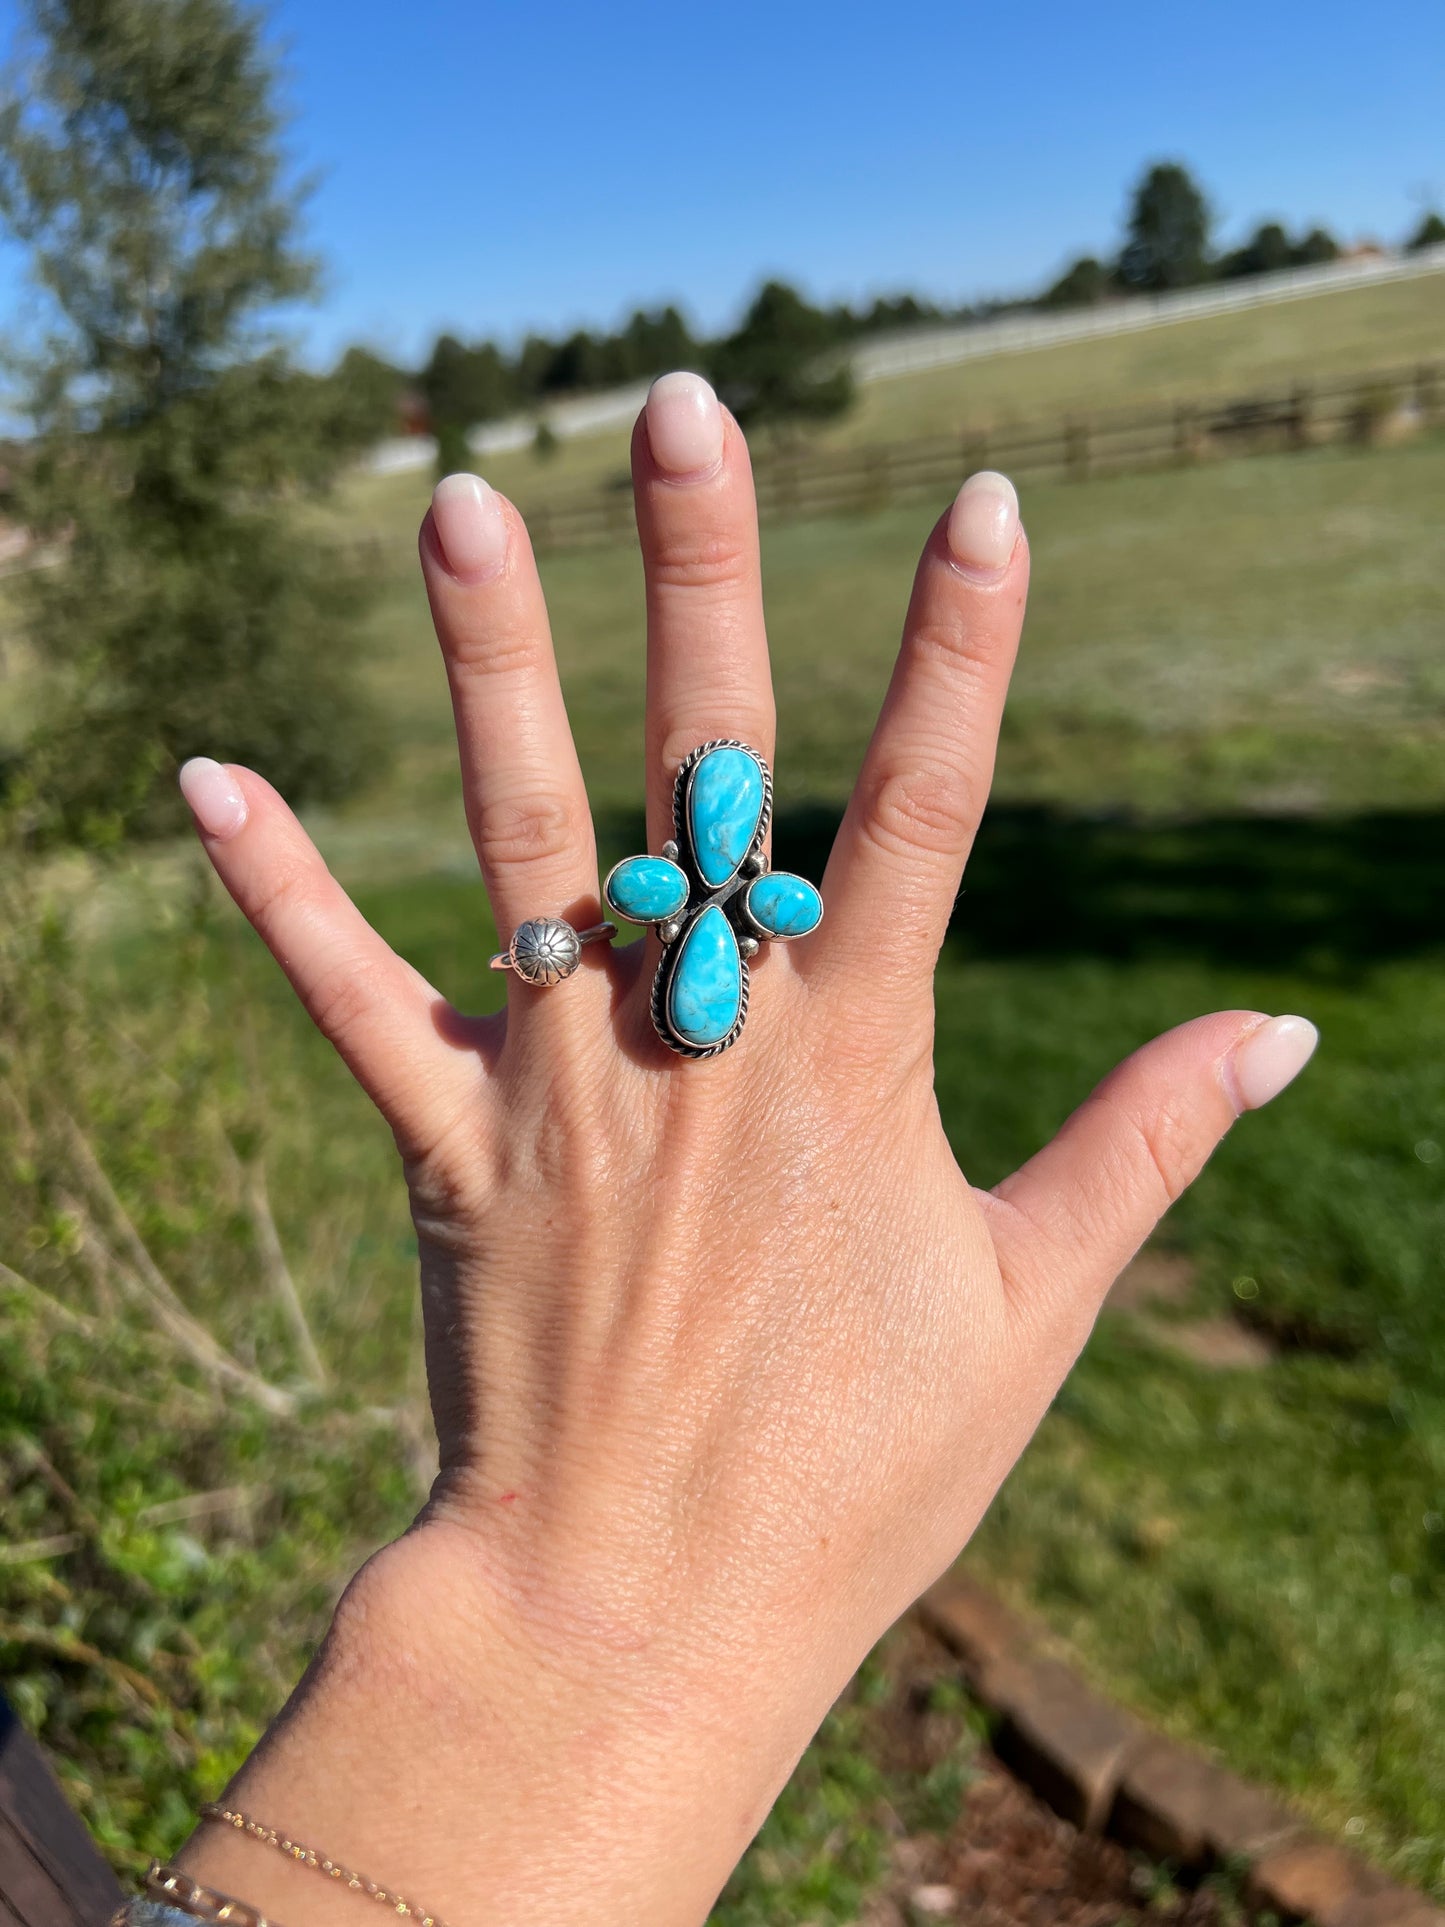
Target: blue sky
[[488, 167]]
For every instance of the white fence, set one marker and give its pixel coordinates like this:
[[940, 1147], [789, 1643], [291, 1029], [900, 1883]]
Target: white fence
[[617, 408], [942, 347], [1011, 334]]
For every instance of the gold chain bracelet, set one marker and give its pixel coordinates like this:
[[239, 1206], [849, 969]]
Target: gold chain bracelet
[[308, 1857]]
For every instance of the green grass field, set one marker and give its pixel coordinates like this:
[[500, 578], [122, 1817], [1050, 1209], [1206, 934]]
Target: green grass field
[[1221, 783]]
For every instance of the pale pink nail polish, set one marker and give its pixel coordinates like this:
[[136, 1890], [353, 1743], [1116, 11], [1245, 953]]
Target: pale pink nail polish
[[214, 796], [470, 526], [684, 426], [1271, 1056], [983, 523]]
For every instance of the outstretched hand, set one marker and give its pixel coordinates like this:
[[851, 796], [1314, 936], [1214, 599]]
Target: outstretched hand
[[727, 1358]]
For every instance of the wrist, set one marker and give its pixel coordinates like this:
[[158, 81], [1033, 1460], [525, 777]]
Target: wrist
[[481, 1763]]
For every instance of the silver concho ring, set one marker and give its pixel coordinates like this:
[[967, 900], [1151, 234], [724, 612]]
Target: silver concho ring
[[545, 950]]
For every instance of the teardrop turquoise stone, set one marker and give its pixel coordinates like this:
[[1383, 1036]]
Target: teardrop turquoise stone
[[724, 807], [784, 905], [705, 990], [647, 889]]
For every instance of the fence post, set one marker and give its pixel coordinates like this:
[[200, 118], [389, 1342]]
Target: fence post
[[1427, 392], [787, 496], [877, 480], [1076, 450], [1301, 410], [1185, 444]]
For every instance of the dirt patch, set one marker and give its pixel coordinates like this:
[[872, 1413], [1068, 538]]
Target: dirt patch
[[1152, 1278], [1218, 1344], [1004, 1859], [1159, 1280]]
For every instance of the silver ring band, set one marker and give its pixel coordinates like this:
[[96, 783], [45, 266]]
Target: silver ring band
[[546, 950]]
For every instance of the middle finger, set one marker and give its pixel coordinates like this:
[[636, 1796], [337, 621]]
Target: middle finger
[[707, 650]]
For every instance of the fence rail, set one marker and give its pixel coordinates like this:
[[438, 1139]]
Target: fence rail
[[1072, 447], [1005, 334]]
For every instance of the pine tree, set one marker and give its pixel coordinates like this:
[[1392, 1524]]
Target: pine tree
[[141, 165], [1168, 237]]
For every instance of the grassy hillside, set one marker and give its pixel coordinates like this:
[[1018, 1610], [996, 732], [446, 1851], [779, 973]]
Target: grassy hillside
[[1342, 332]]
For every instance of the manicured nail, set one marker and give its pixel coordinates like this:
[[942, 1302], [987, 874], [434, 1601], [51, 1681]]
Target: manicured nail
[[1271, 1056], [983, 523], [214, 796], [684, 426], [470, 526]]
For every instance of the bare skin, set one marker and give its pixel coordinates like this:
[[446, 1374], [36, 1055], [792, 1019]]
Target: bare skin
[[727, 1358]]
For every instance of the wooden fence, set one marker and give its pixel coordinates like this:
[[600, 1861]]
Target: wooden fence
[[1073, 448]]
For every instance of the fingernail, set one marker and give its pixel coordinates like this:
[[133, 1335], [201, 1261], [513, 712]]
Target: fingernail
[[1271, 1056], [684, 425], [470, 526], [214, 796], [983, 523]]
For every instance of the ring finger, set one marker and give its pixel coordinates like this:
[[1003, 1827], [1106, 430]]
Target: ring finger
[[525, 800]]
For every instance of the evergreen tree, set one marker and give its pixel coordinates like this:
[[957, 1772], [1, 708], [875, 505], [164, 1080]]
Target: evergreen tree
[[1429, 234], [656, 343], [1084, 284], [1168, 232], [464, 386], [140, 165], [772, 368], [1317, 247]]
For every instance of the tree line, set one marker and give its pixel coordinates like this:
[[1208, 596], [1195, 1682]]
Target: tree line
[[775, 365]]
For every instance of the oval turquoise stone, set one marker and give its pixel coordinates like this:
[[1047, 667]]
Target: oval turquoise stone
[[705, 990], [647, 889], [724, 808], [784, 905]]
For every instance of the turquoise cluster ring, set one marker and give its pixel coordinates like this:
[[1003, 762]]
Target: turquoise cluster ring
[[712, 898]]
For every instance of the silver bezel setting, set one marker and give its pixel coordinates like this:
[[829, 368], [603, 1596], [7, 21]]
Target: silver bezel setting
[[729, 896], [686, 853], [669, 855], [662, 983], [760, 930], [679, 849]]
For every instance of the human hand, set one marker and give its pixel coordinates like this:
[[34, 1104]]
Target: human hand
[[727, 1358]]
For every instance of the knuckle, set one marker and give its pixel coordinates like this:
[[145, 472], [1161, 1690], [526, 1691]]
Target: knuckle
[[281, 895], [342, 997], [1162, 1146], [917, 809], [528, 830], [958, 646], [700, 559], [494, 650]]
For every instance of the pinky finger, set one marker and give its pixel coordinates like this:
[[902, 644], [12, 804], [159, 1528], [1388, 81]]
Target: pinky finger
[[378, 1011]]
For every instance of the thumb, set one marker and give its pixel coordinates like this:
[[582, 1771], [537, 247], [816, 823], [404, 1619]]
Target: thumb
[[1079, 1210]]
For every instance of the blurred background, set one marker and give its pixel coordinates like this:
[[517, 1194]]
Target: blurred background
[[264, 276]]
